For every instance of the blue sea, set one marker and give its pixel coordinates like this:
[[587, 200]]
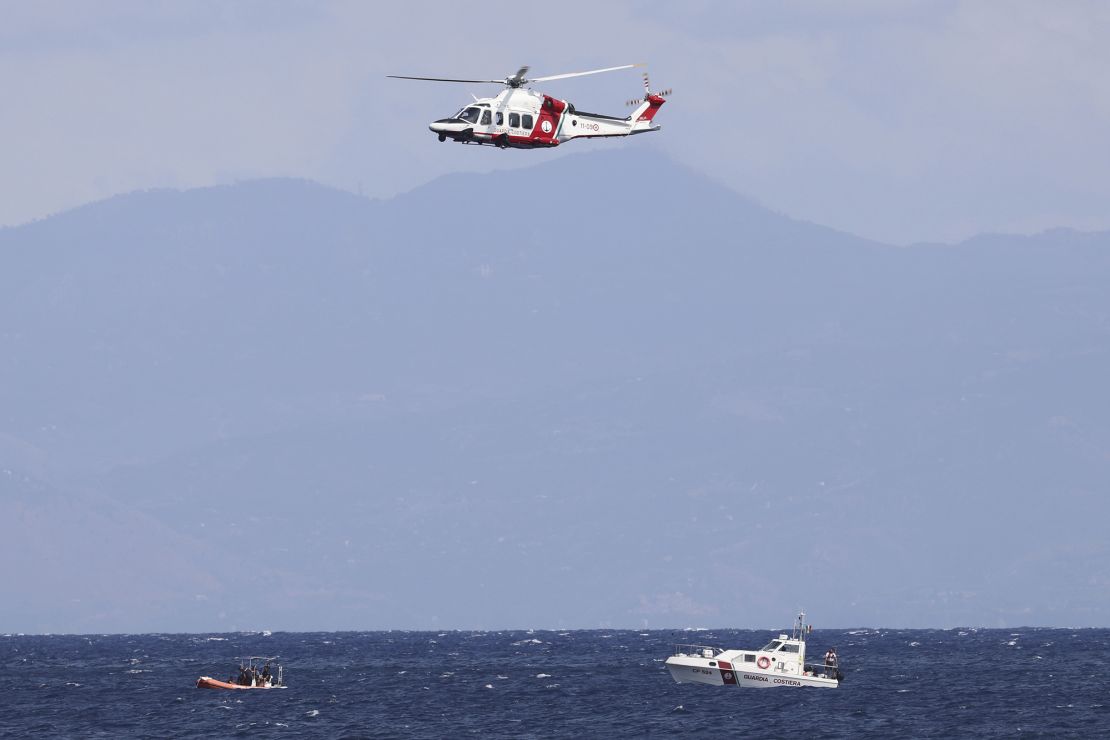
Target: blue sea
[[596, 683]]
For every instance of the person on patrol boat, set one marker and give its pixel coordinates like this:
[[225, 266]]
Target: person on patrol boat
[[830, 661]]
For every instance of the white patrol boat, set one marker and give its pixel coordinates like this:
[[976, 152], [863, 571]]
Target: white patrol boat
[[781, 662]]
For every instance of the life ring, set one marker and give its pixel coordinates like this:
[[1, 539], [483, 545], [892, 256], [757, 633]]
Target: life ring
[[764, 662]]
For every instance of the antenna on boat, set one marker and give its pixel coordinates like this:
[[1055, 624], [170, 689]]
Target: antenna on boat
[[799, 626]]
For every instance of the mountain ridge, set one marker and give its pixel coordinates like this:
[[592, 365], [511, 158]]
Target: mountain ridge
[[460, 408]]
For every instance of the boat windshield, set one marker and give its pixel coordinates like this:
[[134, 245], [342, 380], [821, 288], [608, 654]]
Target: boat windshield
[[771, 646]]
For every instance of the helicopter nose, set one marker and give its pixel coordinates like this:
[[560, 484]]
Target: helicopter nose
[[446, 125]]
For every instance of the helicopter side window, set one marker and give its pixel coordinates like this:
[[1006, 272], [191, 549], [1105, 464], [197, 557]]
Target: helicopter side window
[[527, 122], [470, 115], [486, 117], [514, 120], [500, 119]]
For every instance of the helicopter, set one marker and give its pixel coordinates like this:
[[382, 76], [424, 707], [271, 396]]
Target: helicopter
[[521, 118]]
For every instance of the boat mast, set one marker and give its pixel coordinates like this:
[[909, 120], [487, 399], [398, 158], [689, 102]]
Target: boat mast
[[799, 627]]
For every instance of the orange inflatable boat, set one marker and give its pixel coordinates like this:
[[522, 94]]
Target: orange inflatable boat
[[250, 676]]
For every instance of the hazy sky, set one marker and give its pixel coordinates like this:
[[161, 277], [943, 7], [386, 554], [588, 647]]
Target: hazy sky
[[900, 121]]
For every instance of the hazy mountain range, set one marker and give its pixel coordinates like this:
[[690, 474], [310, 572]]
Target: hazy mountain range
[[603, 391]]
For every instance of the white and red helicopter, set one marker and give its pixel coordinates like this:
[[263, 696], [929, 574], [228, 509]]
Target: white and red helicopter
[[521, 118]]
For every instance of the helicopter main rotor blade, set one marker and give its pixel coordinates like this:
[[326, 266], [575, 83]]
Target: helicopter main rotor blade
[[444, 79], [582, 74]]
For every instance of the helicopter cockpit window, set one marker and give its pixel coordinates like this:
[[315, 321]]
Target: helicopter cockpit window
[[514, 120], [526, 121], [486, 117], [470, 115]]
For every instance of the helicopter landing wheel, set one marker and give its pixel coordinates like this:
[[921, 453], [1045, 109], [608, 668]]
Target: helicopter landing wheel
[[442, 137], [503, 141]]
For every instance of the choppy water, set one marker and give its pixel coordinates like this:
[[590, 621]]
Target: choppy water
[[908, 683]]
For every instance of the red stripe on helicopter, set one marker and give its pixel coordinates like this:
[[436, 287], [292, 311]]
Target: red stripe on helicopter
[[654, 104]]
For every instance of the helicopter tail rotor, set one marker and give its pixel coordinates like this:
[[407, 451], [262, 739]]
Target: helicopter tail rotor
[[646, 107], [648, 94]]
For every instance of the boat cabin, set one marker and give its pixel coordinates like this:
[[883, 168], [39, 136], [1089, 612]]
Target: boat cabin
[[259, 671]]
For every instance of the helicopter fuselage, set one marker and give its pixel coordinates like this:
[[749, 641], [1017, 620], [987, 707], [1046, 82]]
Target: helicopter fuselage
[[520, 118]]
